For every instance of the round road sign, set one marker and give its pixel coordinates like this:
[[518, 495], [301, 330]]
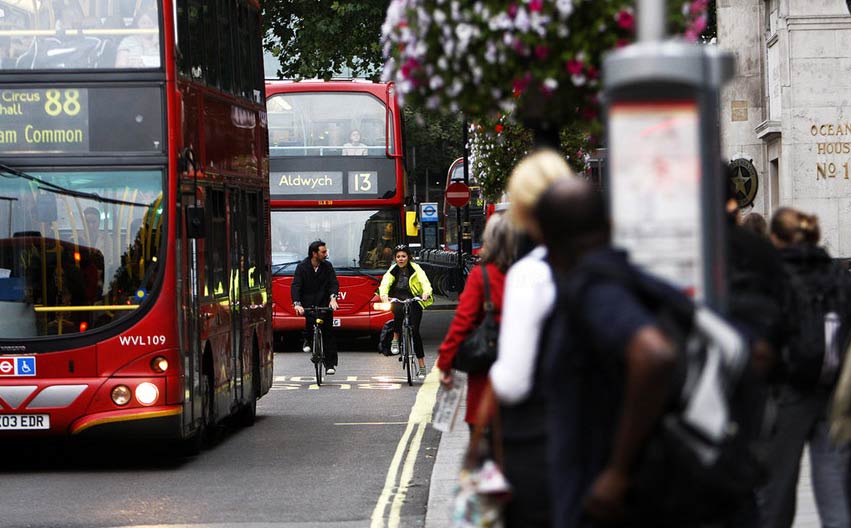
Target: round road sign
[[457, 194]]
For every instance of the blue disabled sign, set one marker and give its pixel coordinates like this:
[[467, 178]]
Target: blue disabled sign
[[428, 212]]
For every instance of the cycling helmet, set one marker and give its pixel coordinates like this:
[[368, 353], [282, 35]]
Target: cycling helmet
[[402, 247]]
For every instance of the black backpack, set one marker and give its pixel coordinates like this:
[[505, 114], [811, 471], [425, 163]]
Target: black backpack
[[385, 338], [702, 461], [819, 294]]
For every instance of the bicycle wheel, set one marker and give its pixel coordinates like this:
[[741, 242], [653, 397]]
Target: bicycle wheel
[[408, 354], [412, 356], [318, 355]]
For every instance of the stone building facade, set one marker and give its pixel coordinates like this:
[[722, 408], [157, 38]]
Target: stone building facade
[[788, 109]]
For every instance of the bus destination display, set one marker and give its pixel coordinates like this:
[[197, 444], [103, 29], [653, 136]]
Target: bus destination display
[[44, 120], [359, 183]]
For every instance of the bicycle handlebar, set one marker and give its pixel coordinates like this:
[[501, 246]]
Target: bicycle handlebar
[[404, 301], [316, 310]]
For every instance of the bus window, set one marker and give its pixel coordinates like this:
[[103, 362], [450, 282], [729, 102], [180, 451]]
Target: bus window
[[324, 124], [79, 35]]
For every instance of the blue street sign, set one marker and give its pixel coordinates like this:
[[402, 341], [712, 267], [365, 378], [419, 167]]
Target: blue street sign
[[428, 212]]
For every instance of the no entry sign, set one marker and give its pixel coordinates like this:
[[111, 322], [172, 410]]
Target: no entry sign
[[457, 194]]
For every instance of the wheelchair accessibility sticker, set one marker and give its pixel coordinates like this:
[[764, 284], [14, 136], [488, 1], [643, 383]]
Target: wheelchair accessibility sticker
[[17, 366]]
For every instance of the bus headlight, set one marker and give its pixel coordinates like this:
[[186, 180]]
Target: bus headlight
[[159, 364], [147, 393], [381, 306], [121, 395]]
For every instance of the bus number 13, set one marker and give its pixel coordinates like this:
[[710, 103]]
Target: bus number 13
[[362, 182]]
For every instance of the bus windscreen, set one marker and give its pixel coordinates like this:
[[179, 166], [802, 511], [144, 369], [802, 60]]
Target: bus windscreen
[[361, 240], [79, 35], [70, 261]]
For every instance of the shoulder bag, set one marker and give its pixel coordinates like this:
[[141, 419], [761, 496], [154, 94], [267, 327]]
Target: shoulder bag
[[477, 353]]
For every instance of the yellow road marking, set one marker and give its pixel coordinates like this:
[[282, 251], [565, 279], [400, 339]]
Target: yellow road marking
[[420, 417], [370, 423]]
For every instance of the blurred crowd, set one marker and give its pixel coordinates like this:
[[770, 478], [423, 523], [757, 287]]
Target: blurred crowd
[[591, 367]]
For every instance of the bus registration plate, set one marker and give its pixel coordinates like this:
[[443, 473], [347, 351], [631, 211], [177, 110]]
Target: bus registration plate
[[19, 422]]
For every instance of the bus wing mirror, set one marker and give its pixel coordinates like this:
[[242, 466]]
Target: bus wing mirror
[[195, 227]]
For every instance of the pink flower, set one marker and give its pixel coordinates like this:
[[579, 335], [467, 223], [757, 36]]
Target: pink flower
[[542, 51], [499, 128], [699, 25], [536, 5], [512, 10], [625, 20], [574, 66], [409, 67], [520, 84], [592, 72], [698, 6]]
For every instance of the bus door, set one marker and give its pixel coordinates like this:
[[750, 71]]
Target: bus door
[[236, 227], [192, 229]]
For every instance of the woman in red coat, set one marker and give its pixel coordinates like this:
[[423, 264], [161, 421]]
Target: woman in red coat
[[498, 253]]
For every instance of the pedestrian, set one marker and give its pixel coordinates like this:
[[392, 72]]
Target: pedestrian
[[405, 280], [801, 416], [607, 365], [528, 300], [315, 285], [496, 255], [756, 222]]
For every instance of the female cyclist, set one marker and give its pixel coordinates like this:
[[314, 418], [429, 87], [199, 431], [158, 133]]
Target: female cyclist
[[406, 280]]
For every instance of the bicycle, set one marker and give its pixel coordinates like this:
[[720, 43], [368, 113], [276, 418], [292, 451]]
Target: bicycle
[[406, 341], [318, 349]]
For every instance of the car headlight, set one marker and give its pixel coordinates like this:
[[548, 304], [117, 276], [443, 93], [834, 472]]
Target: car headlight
[[381, 306]]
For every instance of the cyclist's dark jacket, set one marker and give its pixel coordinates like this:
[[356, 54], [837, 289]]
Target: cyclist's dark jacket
[[314, 288]]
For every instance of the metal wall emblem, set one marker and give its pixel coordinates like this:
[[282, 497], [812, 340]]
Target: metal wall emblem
[[745, 180]]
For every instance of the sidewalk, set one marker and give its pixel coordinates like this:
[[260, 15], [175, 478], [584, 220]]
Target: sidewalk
[[447, 464]]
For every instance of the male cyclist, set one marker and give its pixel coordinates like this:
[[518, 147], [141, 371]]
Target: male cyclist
[[406, 280], [315, 284]]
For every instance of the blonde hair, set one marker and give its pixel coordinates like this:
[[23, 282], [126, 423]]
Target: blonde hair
[[499, 242], [530, 178]]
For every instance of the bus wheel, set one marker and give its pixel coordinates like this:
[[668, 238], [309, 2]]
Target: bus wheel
[[209, 430], [248, 412]]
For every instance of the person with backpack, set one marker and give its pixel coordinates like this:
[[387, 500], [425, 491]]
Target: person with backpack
[[602, 406], [405, 280], [622, 355], [819, 304]]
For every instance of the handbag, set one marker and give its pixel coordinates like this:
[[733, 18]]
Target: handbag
[[477, 352], [482, 491]]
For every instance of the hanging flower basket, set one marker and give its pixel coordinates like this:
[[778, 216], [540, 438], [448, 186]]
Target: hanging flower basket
[[538, 60]]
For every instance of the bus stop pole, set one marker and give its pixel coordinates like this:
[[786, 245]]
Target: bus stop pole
[[657, 85], [467, 239]]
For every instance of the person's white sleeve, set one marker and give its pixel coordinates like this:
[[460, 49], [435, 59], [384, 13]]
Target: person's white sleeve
[[528, 298]]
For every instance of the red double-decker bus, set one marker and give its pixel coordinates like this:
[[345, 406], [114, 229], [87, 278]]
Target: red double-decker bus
[[134, 239], [337, 175]]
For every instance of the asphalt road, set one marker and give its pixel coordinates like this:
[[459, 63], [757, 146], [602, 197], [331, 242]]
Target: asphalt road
[[354, 452]]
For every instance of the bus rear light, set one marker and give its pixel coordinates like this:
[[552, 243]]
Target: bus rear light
[[77, 257], [121, 395], [159, 364], [147, 393], [84, 326]]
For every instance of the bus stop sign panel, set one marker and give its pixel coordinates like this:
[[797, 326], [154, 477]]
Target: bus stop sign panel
[[457, 194]]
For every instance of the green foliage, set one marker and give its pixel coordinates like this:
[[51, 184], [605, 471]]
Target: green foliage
[[319, 39], [434, 141]]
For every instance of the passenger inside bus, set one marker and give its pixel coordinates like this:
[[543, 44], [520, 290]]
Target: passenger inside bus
[[140, 51], [69, 48], [355, 147]]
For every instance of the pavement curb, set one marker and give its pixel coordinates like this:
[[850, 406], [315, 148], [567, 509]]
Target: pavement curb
[[444, 474]]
